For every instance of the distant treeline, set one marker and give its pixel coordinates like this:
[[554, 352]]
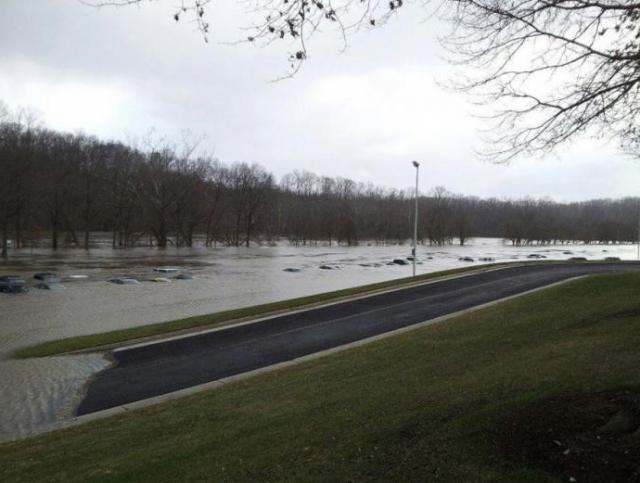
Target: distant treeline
[[63, 187]]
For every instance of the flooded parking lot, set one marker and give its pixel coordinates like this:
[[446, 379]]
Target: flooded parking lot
[[40, 391]]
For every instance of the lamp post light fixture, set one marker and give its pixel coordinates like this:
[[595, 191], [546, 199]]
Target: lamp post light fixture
[[415, 220]]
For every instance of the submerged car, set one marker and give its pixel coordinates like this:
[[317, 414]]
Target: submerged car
[[165, 269], [184, 276], [49, 285], [12, 284], [124, 281], [46, 276], [160, 280], [47, 280]]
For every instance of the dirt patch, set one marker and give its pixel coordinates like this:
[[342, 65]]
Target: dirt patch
[[564, 436]]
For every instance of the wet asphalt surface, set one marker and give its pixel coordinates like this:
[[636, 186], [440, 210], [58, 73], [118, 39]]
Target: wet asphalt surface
[[163, 367]]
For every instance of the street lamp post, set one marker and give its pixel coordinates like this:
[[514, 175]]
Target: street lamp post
[[415, 220]]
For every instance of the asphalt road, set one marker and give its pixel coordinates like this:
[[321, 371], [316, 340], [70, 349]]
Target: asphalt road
[[166, 366]]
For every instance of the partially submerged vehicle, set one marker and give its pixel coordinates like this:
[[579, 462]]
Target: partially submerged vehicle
[[166, 269], [290, 269], [12, 284], [46, 277], [535, 255], [124, 281], [50, 285], [400, 261], [159, 279], [577, 259], [184, 276], [466, 259], [487, 259]]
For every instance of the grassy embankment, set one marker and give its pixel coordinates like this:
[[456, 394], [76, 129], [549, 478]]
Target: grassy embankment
[[92, 341], [419, 406]]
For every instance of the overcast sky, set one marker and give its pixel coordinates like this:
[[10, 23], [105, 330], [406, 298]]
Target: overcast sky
[[363, 114]]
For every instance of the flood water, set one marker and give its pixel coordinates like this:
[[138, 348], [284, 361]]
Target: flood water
[[39, 392]]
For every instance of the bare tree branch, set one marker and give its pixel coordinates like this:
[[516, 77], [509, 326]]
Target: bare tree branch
[[549, 70]]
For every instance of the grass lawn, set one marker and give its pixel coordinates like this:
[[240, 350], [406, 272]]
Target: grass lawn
[[417, 407], [93, 341]]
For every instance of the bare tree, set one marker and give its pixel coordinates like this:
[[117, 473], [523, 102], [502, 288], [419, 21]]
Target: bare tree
[[55, 185], [10, 153], [4, 212], [121, 198], [157, 187], [215, 200], [57, 177], [346, 218], [91, 164], [250, 186], [551, 70], [295, 20], [437, 217]]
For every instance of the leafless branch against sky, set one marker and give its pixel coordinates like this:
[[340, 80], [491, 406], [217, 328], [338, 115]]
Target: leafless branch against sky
[[550, 71]]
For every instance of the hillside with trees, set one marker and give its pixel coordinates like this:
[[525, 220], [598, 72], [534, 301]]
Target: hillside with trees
[[57, 189]]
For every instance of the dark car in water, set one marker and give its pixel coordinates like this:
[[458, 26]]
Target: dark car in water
[[47, 277], [186, 276], [12, 284], [124, 281]]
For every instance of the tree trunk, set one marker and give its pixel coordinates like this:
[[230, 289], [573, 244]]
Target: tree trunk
[[5, 241], [248, 233], [54, 235], [18, 237]]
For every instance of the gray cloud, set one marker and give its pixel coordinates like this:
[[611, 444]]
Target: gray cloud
[[365, 113]]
